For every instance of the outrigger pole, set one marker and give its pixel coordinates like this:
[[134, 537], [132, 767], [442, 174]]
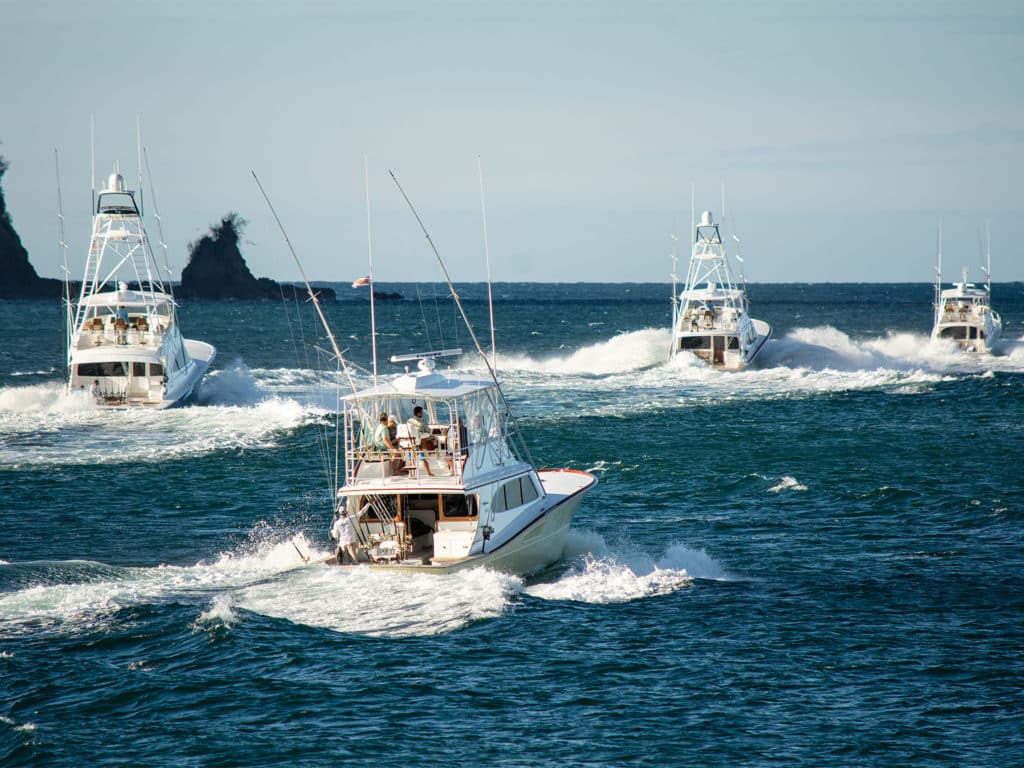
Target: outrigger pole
[[320, 313], [465, 319], [67, 271], [487, 258], [309, 288], [369, 249]]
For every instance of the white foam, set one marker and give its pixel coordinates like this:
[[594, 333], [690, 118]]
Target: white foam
[[787, 483], [271, 580], [221, 611], [625, 352], [234, 385], [68, 432], [600, 575], [25, 727], [98, 591], [360, 601]]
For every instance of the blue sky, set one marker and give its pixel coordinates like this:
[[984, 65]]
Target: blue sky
[[843, 132]]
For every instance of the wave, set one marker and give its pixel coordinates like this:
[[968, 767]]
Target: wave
[[270, 578], [827, 348], [74, 433], [82, 596], [631, 351], [598, 574]]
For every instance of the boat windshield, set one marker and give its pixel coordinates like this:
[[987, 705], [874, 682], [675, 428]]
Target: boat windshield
[[466, 420]]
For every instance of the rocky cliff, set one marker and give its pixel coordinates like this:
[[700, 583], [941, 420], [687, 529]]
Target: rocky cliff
[[217, 270], [18, 278]]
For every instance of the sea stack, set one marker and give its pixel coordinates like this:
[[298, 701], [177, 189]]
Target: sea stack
[[217, 270], [19, 280]]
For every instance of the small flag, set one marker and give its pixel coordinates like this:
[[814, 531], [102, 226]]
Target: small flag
[[360, 282]]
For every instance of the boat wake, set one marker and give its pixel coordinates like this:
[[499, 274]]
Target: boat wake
[[40, 426], [815, 349], [827, 348], [630, 372], [271, 579], [599, 575], [631, 351]]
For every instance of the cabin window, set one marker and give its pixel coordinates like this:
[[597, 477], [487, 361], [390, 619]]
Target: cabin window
[[734, 343], [458, 506], [95, 370], [138, 370], [480, 417], [693, 342], [156, 369], [528, 488], [513, 494]]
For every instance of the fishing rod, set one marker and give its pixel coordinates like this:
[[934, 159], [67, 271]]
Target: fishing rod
[[487, 258], [465, 318], [316, 303], [67, 272]]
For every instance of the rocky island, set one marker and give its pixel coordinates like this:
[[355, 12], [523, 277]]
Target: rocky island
[[217, 270], [18, 278]]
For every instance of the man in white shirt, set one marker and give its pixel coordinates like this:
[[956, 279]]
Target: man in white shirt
[[344, 533], [422, 437]]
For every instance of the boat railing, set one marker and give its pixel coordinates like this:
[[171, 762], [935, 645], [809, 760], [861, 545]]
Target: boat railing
[[952, 314], [694, 321], [119, 334], [369, 462]]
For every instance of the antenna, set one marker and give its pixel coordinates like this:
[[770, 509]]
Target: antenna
[[92, 159], [369, 250], [675, 271], [938, 274], [64, 249], [487, 258], [138, 149], [159, 223], [988, 257], [693, 217]]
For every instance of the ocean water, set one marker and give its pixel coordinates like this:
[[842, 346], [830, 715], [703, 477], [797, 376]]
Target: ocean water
[[818, 561]]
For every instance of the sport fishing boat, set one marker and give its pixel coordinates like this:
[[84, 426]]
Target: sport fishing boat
[[452, 491], [710, 317], [453, 486], [964, 314], [124, 344]]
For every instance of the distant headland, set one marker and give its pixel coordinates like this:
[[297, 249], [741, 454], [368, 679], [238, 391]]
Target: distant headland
[[18, 278], [216, 269]]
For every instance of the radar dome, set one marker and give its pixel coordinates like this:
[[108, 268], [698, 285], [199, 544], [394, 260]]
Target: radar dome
[[705, 219], [115, 183]]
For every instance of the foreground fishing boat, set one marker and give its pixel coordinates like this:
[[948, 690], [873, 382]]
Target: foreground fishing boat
[[124, 344], [436, 475], [452, 492], [710, 317]]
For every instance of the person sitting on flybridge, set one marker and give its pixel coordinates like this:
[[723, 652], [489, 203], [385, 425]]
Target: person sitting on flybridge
[[421, 436], [382, 442]]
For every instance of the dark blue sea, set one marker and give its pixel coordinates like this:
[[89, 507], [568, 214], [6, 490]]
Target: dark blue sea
[[815, 562]]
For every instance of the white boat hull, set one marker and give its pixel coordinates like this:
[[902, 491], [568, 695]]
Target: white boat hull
[[536, 546], [985, 335], [717, 354]]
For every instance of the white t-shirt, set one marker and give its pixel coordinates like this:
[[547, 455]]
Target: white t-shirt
[[343, 531]]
